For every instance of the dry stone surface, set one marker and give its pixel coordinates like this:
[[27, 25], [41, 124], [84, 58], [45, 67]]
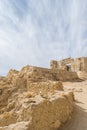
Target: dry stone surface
[[27, 104]]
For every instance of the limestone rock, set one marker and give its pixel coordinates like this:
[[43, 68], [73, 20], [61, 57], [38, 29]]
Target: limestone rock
[[17, 126], [28, 102], [45, 87]]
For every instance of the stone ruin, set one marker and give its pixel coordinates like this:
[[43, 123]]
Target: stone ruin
[[31, 102], [70, 64], [34, 98], [78, 65]]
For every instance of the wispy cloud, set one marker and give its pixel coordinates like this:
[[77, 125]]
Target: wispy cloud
[[36, 31]]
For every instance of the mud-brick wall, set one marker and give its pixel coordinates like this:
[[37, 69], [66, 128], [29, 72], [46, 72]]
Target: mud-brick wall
[[40, 74], [43, 74], [79, 64], [66, 75], [85, 64]]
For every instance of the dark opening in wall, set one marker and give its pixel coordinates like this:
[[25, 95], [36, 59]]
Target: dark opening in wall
[[68, 67]]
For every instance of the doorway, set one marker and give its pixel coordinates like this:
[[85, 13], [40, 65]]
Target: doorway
[[68, 67]]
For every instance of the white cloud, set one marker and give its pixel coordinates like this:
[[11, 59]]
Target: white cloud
[[34, 32]]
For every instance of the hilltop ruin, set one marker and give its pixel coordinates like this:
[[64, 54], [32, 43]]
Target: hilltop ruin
[[34, 98], [76, 66], [70, 64]]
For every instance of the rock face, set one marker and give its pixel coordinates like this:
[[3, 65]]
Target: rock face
[[33, 104]]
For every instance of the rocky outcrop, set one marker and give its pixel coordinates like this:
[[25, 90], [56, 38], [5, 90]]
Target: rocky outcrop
[[27, 104], [44, 87], [41, 112]]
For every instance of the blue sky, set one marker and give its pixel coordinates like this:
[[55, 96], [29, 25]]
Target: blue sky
[[35, 31]]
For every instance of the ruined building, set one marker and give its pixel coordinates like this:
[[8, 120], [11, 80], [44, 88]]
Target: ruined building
[[34, 98], [70, 64]]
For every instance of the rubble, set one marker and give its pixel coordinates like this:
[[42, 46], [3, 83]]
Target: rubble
[[33, 104]]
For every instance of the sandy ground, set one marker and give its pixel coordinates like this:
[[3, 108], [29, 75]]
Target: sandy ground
[[79, 117]]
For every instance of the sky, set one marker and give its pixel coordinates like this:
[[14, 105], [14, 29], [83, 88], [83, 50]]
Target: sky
[[36, 31]]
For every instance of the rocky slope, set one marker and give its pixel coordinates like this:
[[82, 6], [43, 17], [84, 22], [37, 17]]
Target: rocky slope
[[27, 104]]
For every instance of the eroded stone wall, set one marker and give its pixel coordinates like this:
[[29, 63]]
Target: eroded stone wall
[[33, 105], [78, 64], [42, 74]]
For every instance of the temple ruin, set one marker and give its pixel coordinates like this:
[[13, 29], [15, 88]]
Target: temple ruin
[[70, 64]]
